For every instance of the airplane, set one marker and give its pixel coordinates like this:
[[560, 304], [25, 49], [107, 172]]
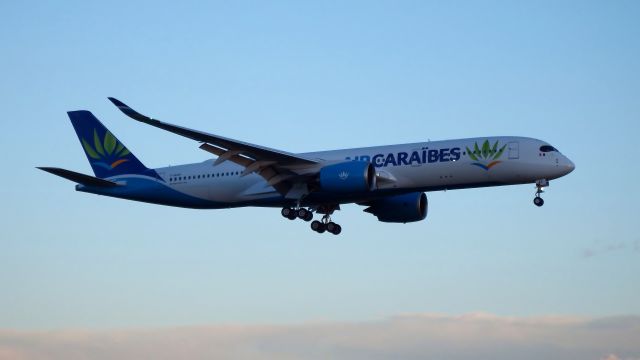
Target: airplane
[[389, 181]]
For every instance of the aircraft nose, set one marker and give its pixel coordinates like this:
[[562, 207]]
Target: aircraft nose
[[569, 165]]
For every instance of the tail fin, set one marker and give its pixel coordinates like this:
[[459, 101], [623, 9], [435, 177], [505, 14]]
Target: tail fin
[[107, 156]]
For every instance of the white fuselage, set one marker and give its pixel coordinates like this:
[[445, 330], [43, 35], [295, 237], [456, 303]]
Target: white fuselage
[[427, 166]]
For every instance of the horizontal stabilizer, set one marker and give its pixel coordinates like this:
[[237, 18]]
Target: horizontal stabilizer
[[78, 177]]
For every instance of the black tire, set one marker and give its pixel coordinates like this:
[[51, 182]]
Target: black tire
[[317, 226], [286, 212], [292, 215], [302, 213], [334, 228], [538, 201], [309, 216]]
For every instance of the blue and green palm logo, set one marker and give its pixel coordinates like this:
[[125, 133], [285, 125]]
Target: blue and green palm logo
[[108, 151], [486, 156]]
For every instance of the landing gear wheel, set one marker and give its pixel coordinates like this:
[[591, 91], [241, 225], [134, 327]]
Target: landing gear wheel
[[538, 201], [286, 212], [305, 214], [289, 213], [325, 223], [317, 226], [334, 228]]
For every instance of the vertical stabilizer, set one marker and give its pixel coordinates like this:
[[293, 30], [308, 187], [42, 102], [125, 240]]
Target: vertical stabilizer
[[106, 154]]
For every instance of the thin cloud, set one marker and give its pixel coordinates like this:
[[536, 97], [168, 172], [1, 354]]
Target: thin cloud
[[410, 336], [616, 357], [608, 247]]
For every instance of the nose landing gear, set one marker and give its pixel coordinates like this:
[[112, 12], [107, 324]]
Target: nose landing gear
[[540, 185]]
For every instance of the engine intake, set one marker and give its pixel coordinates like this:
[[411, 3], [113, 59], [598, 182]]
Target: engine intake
[[400, 208], [350, 176]]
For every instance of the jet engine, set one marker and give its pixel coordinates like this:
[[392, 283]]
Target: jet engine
[[348, 177], [400, 208]]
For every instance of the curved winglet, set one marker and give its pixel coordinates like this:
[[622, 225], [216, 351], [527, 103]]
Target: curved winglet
[[127, 110]]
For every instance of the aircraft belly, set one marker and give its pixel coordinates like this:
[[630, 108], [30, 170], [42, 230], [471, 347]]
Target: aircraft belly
[[251, 187]]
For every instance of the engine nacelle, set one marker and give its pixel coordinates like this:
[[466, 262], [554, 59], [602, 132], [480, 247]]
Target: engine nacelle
[[350, 176], [400, 208]]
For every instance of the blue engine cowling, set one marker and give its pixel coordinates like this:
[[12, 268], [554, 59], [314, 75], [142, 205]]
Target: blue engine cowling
[[348, 177], [400, 208]]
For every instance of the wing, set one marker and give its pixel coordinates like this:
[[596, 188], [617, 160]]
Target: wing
[[279, 168]]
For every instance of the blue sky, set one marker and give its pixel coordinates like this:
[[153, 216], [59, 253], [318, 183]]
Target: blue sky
[[303, 76]]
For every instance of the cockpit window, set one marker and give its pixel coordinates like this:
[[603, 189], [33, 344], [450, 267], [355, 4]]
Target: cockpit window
[[547, 148]]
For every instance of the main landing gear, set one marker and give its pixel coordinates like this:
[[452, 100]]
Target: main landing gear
[[540, 185], [326, 225], [300, 213], [318, 226]]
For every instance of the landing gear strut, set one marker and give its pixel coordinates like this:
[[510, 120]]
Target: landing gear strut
[[540, 185]]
